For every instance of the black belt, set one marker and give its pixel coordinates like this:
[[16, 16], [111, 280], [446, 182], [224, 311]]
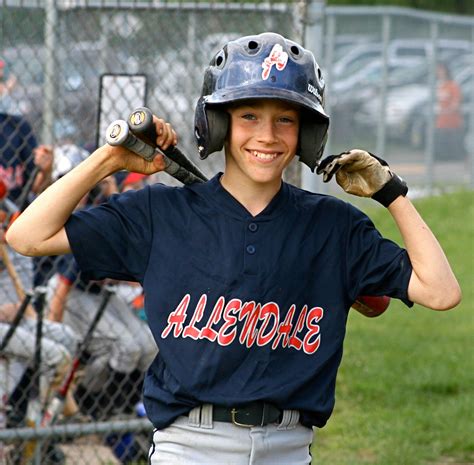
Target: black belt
[[249, 415]]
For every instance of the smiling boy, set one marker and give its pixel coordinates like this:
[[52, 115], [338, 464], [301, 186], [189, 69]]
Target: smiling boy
[[248, 279]]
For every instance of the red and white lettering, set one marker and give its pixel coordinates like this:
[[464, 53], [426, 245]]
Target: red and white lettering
[[284, 329], [223, 338], [295, 341], [251, 313], [270, 331], [268, 311], [190, 330], [207, 332], [176, 318], [311, 346]]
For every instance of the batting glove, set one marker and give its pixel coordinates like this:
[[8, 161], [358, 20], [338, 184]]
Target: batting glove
[[363, 174]]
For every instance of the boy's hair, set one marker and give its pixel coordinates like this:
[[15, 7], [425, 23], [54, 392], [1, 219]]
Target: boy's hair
[[266, 66]]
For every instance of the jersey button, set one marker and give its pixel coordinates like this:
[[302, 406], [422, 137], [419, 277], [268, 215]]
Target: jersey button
[[253, 227], [251, 249]]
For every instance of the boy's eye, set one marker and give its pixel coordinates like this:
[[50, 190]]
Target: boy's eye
[[286, 119], [248, 116]]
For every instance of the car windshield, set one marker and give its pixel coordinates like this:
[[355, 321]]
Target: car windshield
[[360, 63], [401, 75]]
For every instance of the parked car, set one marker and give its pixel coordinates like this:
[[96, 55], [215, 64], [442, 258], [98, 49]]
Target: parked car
[[405, 52], [408, 107]]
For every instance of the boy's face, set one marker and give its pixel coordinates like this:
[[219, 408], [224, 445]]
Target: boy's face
[[262, 140]]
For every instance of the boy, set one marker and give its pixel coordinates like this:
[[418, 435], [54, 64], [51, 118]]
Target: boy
[[248, 280]]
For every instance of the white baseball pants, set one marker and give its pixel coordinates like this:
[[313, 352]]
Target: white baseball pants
[[204, 442]]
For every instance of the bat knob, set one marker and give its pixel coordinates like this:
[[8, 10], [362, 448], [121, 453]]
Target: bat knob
[[117, 132], [140, 122]]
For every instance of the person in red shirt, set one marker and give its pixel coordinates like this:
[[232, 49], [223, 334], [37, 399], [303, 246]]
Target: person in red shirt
[[449, 119]]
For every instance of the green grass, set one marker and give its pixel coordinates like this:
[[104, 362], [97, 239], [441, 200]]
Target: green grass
[[405, 390]]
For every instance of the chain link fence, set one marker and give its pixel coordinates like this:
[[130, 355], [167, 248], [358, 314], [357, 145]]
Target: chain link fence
[[388, 93], [380, 66], [72, 68]]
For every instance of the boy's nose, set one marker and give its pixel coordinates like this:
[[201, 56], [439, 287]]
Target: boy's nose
[[267, 132]]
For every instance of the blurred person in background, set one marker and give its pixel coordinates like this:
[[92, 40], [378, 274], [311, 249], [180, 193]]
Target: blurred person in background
[[7, 80], [449, 135], [122, 346], [25, 166], [25, 171], [58, 343]]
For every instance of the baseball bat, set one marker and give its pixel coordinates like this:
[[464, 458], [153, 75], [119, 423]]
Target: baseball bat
[[33, 411], [118, 133], [11, 271], [22, 200], [16, 321], [56, 404], [140, 121]]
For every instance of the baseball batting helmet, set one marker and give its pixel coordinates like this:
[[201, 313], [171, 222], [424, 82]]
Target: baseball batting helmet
[[262, 66]]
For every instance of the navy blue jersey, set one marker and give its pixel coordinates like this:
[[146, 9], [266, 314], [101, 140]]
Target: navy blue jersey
[[242, 308], [17, 142]]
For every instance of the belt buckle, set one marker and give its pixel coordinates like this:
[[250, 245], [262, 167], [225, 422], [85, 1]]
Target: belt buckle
[[233, 413]]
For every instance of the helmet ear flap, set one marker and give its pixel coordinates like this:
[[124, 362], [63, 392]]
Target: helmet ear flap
[[211, 126], [312, 141]]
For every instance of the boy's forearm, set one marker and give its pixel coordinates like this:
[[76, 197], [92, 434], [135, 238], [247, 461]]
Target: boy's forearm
[[433, 283], [39, 229]]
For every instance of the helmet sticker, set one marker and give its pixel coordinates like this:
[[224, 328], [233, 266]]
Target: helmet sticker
[[277, 57]]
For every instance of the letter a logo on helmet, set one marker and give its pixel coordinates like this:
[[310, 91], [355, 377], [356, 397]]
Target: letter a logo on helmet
[[277, 57], [264, 66]]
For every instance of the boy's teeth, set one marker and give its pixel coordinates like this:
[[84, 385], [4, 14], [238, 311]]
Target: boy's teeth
[[264, 156]]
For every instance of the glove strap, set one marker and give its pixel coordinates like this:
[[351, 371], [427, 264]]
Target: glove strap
[[393, 189]]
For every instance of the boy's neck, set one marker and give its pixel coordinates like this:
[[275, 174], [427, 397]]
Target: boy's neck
[[254, 197]]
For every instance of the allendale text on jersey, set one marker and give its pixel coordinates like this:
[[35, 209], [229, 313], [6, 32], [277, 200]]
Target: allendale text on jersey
[[249, 323]]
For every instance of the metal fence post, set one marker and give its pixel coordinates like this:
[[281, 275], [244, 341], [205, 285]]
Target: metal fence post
[[381, 126], [430, 127], [313, 40], [50, 28]]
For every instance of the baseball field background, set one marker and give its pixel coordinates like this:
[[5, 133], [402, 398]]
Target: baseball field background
[[405, 391]]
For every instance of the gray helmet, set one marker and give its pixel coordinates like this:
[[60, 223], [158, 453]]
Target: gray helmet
[[262, 66]]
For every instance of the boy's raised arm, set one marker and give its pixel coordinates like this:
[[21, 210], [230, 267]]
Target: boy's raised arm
[[39, 230], [432, 283]]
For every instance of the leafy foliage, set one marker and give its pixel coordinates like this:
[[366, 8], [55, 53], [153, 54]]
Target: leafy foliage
[[448, 6]]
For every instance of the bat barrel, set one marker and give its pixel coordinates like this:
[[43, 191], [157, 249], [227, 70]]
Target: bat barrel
[[118, 133]]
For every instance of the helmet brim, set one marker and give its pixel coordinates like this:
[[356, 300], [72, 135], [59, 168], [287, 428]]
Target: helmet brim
[[244, 93]]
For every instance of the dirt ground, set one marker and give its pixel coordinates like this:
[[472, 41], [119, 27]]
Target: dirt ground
[[88, 454]]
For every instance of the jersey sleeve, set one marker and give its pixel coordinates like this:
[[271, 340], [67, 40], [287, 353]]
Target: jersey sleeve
[[375, 265], [113, 240]]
